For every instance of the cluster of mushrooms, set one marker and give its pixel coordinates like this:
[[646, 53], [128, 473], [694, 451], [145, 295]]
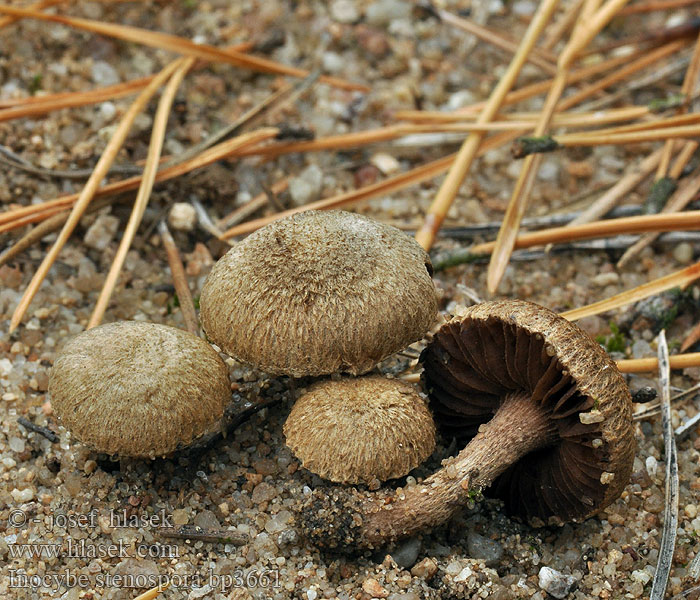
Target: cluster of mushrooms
[[328, 295]]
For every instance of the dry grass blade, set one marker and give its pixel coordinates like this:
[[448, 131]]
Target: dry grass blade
[[88, 192], [392, 184], [683, 196], [28, 219], [182, 288], [458, 171], [680, 279], [173, 43], [147, 180], [668, 536], [692, 338], [689, 220]]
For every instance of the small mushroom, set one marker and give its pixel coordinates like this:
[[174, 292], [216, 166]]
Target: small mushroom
[[356, 430], [319, 292], [550, 417], [139, 389]]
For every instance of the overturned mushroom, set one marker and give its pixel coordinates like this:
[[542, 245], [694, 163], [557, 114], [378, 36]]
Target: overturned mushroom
[[359, 429], [319, 292], [550, 417], [138, 389]]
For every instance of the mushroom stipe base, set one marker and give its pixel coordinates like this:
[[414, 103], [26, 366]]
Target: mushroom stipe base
[[518, 428]]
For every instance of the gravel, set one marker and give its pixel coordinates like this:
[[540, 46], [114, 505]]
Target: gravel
[[53, 494]]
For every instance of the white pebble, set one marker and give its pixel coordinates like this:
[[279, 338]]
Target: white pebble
[[595, 416], [652, 466], [182, 216], [555, 583], [344, 11], [312, 594], [16, 444], [104, 74], [603, 279], [683, 253], [101, 232], [24, 495], [386, 163]]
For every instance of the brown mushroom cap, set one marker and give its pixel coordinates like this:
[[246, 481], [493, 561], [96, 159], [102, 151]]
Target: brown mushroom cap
[[497, 349], [319, 292], [356, 430], [138, 389]]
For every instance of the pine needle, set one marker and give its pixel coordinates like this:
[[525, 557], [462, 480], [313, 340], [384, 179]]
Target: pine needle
[[88, 192], [689, 220], [152, 593], [147, 180], [692, 338], [587, 27], [648, 365], [232, 147], [392, 184], [668, 536], [683, 196], [180, 45], [468, 152], [177, 271], [680, 279]]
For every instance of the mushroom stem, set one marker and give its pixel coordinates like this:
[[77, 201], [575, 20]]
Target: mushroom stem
[[518, 427]]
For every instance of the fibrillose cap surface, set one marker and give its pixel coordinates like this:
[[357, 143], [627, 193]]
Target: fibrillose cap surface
[[356, 430], [138, 389], [319, 292], [497, 348]]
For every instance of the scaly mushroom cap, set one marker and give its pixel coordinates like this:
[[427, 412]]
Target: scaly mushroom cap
[[138, 389], [319, 292], [497, 348], [356, 430]]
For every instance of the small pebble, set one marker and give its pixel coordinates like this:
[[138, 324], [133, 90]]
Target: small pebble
[[425, 569], [344, 11], [182, 216], [101, 232], [555, 583], [306, 187], [683, 253], [104, 74], [407, 553], [374, 588], [484, 548]]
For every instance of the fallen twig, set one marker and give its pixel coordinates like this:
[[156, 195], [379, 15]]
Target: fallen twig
[[670, 525], [50, 435]]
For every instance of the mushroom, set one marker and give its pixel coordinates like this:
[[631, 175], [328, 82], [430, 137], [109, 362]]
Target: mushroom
[[139, 389], [319, 292], [550, 417], [356, 430]]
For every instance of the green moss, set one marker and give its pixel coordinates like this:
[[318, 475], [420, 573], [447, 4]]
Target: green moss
[[615, 342]]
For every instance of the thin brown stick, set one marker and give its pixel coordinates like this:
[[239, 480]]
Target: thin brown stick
[[88, 192], [560, 119], [147, 180], [392, 184], [7, 21], [647, 365], [692, 338], [173, 43], [689, 220], [465, 157], [182, 288], [681, 279], [633, 137]]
